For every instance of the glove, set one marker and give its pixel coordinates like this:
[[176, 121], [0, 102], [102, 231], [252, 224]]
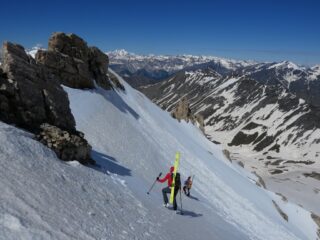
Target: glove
[[157, 178]]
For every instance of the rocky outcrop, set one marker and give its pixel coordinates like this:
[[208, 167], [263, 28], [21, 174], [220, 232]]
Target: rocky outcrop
[[29, 95], [31, 92], [316, 219], [73, 63], [67, 146], [182, 111]]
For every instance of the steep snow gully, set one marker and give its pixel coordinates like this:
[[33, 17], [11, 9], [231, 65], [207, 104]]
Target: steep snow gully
[[133, 140]]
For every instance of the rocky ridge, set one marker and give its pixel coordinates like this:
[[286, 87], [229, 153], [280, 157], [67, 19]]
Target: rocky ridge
[[66, 145], [141, 70], [75, 64], [29, 94], [182, 111]]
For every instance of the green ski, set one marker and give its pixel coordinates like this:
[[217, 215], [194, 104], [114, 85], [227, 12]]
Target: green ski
[[176, 165]]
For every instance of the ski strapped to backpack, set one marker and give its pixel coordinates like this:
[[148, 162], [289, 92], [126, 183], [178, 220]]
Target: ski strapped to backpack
[[176, 165]]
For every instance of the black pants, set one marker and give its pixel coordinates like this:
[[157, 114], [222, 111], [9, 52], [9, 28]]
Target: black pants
[[186, 190], [165, 197]]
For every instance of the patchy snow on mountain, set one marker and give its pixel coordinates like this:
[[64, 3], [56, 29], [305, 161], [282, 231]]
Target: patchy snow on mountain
[[285, 65], [315, 73], [267, 129], [133, 140]]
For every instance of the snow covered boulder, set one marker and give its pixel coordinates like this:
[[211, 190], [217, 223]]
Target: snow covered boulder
[[67, 146]]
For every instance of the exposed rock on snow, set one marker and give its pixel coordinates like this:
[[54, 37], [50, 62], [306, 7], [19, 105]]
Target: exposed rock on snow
[[67, 146], [282, 213], [116, 81], [29, 95], [316, 219], [74, 63], [182, 111]]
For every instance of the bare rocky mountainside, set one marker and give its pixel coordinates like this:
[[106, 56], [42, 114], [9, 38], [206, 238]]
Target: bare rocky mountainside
[[242, 112], [32, 96]]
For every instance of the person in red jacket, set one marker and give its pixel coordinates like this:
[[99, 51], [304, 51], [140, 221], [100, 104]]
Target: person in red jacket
[[167, 189]]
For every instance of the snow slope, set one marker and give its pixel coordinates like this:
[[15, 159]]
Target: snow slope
[[133, 140]]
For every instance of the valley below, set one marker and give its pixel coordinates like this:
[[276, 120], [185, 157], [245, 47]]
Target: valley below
[[264, 116]]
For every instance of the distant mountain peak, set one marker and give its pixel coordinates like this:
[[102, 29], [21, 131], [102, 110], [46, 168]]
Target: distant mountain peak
[[286, 64], [120, 53], [34, 50]]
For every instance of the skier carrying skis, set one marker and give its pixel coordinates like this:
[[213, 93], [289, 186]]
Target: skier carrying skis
[[169, 178], [187, 186]]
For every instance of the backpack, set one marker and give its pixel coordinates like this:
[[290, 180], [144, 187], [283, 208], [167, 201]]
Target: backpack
[[188, 183], [177, 180]]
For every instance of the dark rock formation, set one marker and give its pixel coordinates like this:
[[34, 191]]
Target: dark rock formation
[[316, 219], [182, 111], [67, 146], [29, 95], [242, 138], [116, 81], [280, 211], [73, 63]]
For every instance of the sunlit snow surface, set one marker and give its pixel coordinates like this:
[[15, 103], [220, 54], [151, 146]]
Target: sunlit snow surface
[[133, 140]]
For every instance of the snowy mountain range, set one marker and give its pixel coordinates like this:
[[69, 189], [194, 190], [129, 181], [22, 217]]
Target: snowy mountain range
[[140, 70], [303, 82]]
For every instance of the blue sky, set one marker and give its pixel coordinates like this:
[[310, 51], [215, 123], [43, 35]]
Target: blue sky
[[243, 29]]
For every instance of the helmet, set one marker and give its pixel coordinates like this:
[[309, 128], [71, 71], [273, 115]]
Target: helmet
[[171, 169]]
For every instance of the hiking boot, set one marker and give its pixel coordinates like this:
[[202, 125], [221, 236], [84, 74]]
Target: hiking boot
[[166, 205]]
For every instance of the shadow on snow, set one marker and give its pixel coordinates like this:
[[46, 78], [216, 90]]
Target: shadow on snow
[[114, 98], [106, 163], [194, 198], [191, 214]]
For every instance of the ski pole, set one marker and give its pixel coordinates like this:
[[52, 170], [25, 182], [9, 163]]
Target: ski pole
[[181, 202], [154, 183]]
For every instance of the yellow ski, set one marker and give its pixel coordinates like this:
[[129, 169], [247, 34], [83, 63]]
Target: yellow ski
[[176, 165]]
